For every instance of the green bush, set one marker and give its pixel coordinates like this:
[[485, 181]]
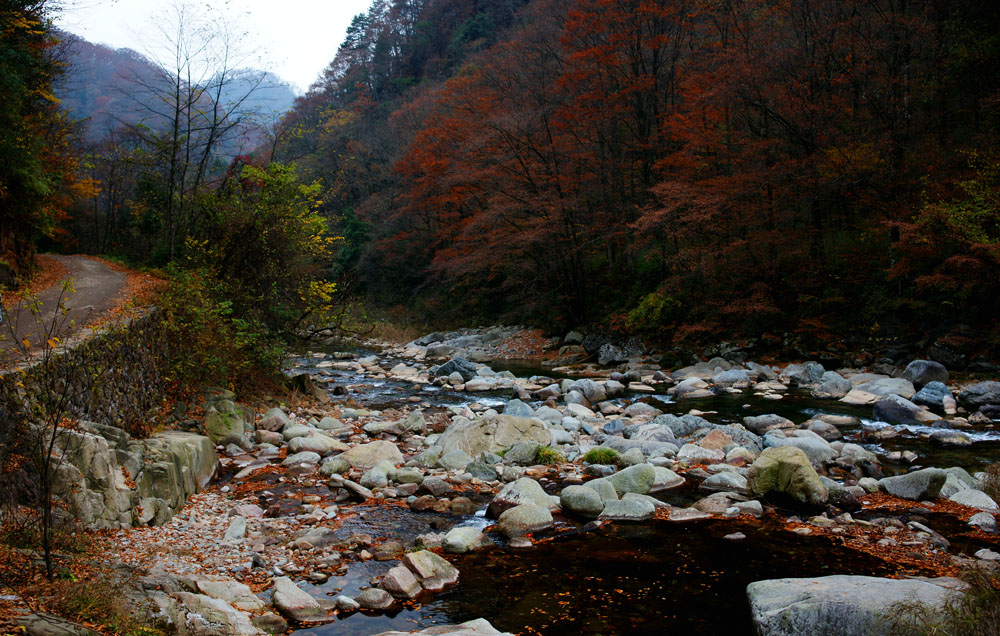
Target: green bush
[[653, 314], [548, 455], [607, 456]]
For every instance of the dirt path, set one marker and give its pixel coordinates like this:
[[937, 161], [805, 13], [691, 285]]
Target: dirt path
[[93, 291]]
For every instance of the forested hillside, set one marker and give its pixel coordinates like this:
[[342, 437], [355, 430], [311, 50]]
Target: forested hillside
[[678, 169]]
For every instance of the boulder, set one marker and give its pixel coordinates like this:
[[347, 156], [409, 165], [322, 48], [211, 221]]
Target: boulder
[[916, 486], [465, 539], [933, 394], [897, 410], [922, 372], [786, 470], [733, 378], [832, 386], [804, 374], [815, 447], [367, 456], [223, 420], [582, 501], [374, 598], [401, 583], [230, 591], [889, 386], [638, 479], [294, 603], [274, 420], [975, 499], [433, 571], [951, 438], [517, 408], [207, 616], [628, 509], [725, 482], [761, 424], [980, 394], [316, 443], [840, 605], [522, 491], [492, 434], [457, 365], [524, 519]]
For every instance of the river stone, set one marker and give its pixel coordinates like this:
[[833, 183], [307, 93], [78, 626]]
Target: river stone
[[304, 457], [522, 453], [975, 499], [582, 501], [479, 469], [638, 479], [923, 372], [517, 408], [405, 476], [725, 482], [665, 479], [318, 537], [735, 378], [760, 424], [933, 394], [979, 394], [591, 390], [951, 438], [237, 530], [297, 605], [804, 374], [400, 582], [522, 491], [232, 592], [457, 365], [832, 387], [695, 454], [640, 409], [224, 420], [335, 466], [717, 503], [628, 509], [270, 622], [465, 539], [603, 487], [478, 627], [366, 456], [691, 388], [456, 459], [549, 414], [787, 470], [209, 616], [840, 605], [374, 598], [377, 477], [898, 410], [492, 434], [524, 519], [983, 521], [916, 486], [815, 447], [433, 571], [316, 443], [889, 386]]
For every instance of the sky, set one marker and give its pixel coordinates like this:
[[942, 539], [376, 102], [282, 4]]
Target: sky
[[296, 39]]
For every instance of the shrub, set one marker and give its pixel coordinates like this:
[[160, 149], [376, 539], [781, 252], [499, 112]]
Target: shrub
[[974, 613], [991, 481], [607, 456], [652, 315], [548, 455]]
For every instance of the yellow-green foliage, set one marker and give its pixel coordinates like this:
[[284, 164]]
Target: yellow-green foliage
[[608, 456], [654, 312]]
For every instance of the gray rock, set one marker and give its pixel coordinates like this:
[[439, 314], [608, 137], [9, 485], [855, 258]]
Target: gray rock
[[951, 438], [465, 539], [456, 459], [591, 390], [638, 479], [207, 616], [916, 486], [517, 408], [524, 519], [889, 386], [237, 529], [433, 571], [316, 443], [804, 374], [335, 466], [760, 424], [832, 386], [303, 457], [401, 583], [922, 372], [274, 420], [735, 378], [367, 456], [49, 625], [270, 622], [230, 591], [898, 410], [984, 521], [665, 480], [840, 605], [639, 409], [725, 482], [605, 490], [681, 426], [787, 470], [492, 434], [297, 605], [522, 453], [519, 492], [975, 499], [582, 501], [374, 598], [815, 447], [933, 394], [628, 509], [223, 420], [457, 365], [979, 394]]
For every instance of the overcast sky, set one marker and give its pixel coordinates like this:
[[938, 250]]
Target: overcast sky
[[297, 38]]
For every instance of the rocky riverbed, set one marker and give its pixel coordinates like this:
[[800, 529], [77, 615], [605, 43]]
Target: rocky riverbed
[[436, 483]]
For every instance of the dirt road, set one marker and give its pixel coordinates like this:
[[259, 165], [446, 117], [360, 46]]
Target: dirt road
[[62, 309]]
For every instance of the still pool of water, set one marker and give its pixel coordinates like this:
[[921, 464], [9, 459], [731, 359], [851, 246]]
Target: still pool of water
[[658, 578]]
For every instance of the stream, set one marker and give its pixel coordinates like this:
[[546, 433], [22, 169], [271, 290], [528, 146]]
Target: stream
[[656, 577]]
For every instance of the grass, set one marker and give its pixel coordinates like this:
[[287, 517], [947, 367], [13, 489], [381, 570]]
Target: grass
[[607, 456], [98, 601], [974, 613], [548, 455]]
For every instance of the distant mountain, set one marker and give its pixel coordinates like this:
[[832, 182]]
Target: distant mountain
[[104, 86]]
